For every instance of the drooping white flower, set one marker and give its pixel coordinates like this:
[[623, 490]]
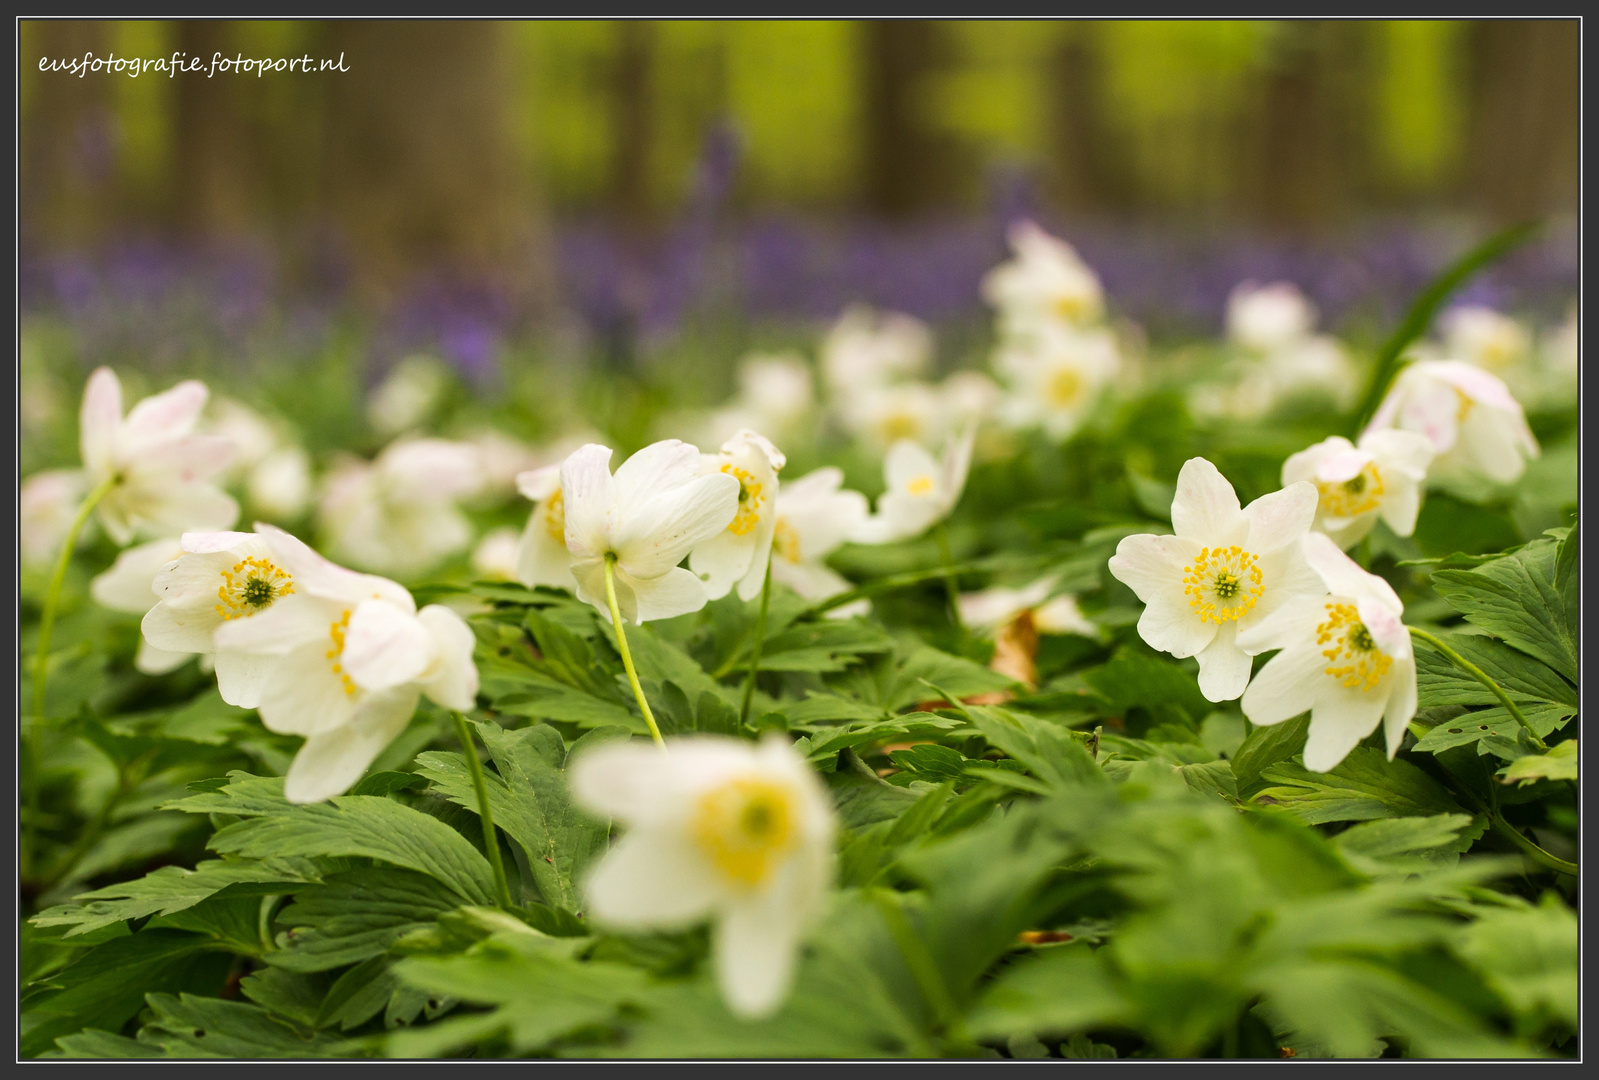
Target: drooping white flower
[[867, 348], [494, 558], [920, 489], [342, 661], [407, 396], [1485, 337], [1382, 477], [1045, 283], [882, 415], [279, 486], [1471, 418], [46, 505], [992, 608], [1222, 572], [814, 517], [1056, 377], [716, 828], [1265, 318], [1345, 656], [739, 553], [541, 554], [398, 514], [129, 585], [645, 519], [163, 470]]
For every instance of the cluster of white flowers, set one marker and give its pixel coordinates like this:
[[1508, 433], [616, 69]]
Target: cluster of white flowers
[[1279, 356]]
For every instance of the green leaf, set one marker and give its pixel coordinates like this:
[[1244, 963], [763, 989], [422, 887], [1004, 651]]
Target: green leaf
[[1050, 752], [1560, 763], [1440, 682], [1529, 957], [293, 995], [1409, 843], [1064, 991], [189, 1026], [355, 915], [1517, 599], [101, 1045], [823, 645], [1364, 786], [1496, 723], [1135, 679], [1266, 746], [1447, 525]]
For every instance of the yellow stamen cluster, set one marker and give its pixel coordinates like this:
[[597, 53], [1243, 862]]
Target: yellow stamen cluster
[[1364, 664], [251, 585], [921, 485], [1065, 387], [336, 632], [900, 425], [744, 826], [1223, 583], [1463, 405], [1071, 306], [1358, 494], [750, 500], [555, 517], [786, 541]]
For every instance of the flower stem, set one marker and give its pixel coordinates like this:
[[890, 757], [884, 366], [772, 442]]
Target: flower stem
[[1530, 849], [627, 655], [491, 838], [41, 661], [1481, 676], [950, 588], [755, 648]]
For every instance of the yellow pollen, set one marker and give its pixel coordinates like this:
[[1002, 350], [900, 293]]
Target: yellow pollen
[[335, 654], [786, 541], [1464, 406], [555, 517], [920, 486], [1358, 494], [251, 585], [750, 501], [1223, 584], [745, 826], [900, 426], [1355, 659], [1065, 387], [1070, 306]]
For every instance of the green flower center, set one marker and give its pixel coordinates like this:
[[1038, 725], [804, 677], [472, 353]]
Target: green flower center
[[1226, 585]]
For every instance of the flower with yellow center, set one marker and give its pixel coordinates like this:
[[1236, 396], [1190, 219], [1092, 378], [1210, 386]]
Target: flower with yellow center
[[1045, 283], [1473, 422], [1382, 478], [868, 348], [882, 415], [1346, 657], [1055, 377], [541, 554], [815, 516], [1223, 571], [717, 828], [739, 553], [1485, 337], [921, 490]]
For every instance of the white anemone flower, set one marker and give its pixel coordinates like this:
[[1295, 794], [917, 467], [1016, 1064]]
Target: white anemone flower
[[1046, 282], [1264, 318], [407, 396], [494, 558], [398, 514], [775, 389], [882, 415], [991, 609], [1056, 377], [46, 504], [969, 397], [716, 828], [162, 470], [129, 586], [541, 554], [1222, 572], [815, 516], [279, 486], [644, 520], [867, 348], [920, 489], [1345, 656], [1485, 337], [1473, 421], [1356, 485], [342, 661], [739, 553]]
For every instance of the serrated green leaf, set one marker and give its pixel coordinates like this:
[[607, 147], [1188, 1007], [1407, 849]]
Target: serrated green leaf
[[1560, 763], [199, 1027], [1517, 599], [1063, 991], [355, 915], [1364, 786], [1265, 746], [1495, 723], [101, 1045], [1135, 679], [1410, 843], [1440, 682], [1050, 752], [1529, 957]]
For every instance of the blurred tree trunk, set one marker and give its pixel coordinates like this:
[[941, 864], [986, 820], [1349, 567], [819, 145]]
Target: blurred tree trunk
[[67, 143], [908, 167], [632, 131], [216, 163], [1089, 170], [1525, 142]]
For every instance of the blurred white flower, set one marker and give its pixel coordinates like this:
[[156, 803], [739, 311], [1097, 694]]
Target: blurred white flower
[[866, 348], [968, 397], [502, 458], [1319, 364], [882, 415], [716, 828], [1056, 377], [46, 505], [252, 435], [1559, 350], [1345, 656], [541, 554], [815, 516], [129, 586], [1485, 337], [776, 390], [644, 520], [920, 489], [398, 514], [1382, 477], [991, 609], [342, 662], [279, 486], [162, 470], [1223, 571], [1267, 317], [739, 553], [407, 396], [494, 558], [1469, 415], [1045, 283]]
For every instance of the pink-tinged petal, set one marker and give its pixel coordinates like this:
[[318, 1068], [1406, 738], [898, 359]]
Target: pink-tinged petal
[[1223, 666], [1380, 615], [243, 677], [658, 467], [385, 646], [651, 878], [1401, 706], [1303, 465], [1205, 508], [164, 417], [330, 763], [287, 625], [304, 695], [1341, 574], [182, 461], [1172, 627], [539, 484], [589, 496], [1340, 719], [1278, 519], [676, 592], [99, 420], [1432, 410], [205, 543], [653, 537], [1152, 566], [452, 681], [188, 506], [1479, 385], [1286, 686], [1342, 464], [755, 947]]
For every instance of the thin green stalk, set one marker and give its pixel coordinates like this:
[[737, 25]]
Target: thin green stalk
[[41, 662], [491, 838], [1532, 850], [755, 648], [950, 588], [924, 969], [627, 655], [1481, 676]]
